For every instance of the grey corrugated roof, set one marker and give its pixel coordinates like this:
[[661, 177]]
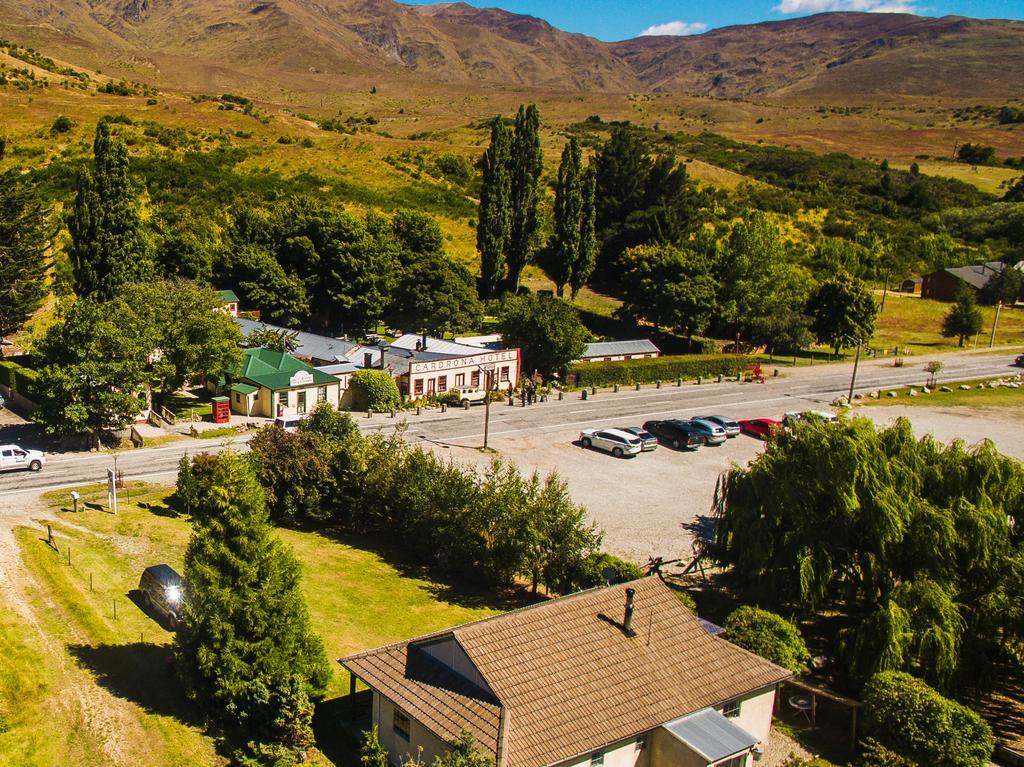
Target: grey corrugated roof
[[711, 735], [309, 345], [435, 346], [977, 275], [615, 348], [338, 368]]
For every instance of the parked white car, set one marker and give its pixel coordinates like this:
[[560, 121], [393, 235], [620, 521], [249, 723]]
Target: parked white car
[[615, 441], [14, 457], [468, 396], [289, 422], [824, 415]]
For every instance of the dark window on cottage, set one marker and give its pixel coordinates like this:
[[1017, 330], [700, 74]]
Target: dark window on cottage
[[401, 725], [418, 386], [597, 760], [442, 383], [474, 378], [731, 710], [283, 399], [321, 394], [504, 373]]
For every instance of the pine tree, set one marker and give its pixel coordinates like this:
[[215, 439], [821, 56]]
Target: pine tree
[[495, 218], [527, 163], [108, 248], [585, 255], [23, 241], [244, 647], [964, 319]]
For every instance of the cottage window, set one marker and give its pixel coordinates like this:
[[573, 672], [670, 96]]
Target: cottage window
[[283, 399], [401, 725], [731, 710], [442, 383], [597, 760], [460, 379], [238, 397], [301, 404], [474, 379], [321, 394], [431, 384], [418, 386], [504, 373]]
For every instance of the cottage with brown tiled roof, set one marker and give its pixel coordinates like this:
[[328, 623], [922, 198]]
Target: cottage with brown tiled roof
[[621, 676]]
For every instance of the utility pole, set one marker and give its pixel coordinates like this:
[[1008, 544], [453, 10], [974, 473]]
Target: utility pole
[[488, 377], [995, 324], [853, 378]]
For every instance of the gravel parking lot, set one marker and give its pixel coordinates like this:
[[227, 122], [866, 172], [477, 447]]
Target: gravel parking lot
[[644, 504]]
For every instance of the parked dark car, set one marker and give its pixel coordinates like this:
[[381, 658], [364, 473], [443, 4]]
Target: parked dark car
[[713, 433], [1019, 362], [160, 587], [648, 441], [679, 434], [732, 428]]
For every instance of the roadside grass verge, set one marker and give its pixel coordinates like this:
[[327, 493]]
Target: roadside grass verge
[[977, 396], [916, 323]]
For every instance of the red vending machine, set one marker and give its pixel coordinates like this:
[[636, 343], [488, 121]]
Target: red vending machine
[[221, 410]]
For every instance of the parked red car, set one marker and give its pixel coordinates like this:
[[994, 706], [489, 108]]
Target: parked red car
[[762, 428]]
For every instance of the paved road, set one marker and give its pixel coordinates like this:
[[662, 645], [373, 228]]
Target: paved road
[[802, 388]]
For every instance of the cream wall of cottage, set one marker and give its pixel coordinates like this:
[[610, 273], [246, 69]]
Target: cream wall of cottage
[[399, 749], [621, 754], [756, 714], [333, 396]]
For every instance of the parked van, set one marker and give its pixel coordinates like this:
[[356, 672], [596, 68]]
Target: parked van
[[289, 422], [160, 587]]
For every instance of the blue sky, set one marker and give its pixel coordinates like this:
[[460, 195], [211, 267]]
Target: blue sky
[[621, 19]]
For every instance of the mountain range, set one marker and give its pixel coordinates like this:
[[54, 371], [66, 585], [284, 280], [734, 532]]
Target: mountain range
[[850, 55]]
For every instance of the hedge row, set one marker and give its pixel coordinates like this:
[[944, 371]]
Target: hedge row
[[687, 366], [19, 379]]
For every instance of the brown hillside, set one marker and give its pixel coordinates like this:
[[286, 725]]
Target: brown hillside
[[828, 56]]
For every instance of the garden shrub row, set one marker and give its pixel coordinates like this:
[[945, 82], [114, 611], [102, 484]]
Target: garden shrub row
[[19, 379], [687, 366]]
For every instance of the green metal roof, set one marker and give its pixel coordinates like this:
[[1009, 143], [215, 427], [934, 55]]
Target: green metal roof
[[227, 296], [274, 370], [244, 388]]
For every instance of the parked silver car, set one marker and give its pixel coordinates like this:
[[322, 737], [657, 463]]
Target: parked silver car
[[615, 441], [732, 427], [713, 433], [648, 442]]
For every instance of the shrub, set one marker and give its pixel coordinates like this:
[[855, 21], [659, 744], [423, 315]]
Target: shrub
[[768, 635], [874, 754], [62, 124], [20, 379], [374, 390], [909, 718], [659, 369], [594, 565]]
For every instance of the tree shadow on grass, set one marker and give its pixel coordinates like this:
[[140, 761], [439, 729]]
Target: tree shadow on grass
[[440, 587], [142, 673]]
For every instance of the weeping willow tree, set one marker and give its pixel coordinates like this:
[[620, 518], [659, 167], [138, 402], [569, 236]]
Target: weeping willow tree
[[920, 546]]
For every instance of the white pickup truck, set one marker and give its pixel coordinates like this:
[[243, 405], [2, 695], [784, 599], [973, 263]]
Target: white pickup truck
[[14, 457]]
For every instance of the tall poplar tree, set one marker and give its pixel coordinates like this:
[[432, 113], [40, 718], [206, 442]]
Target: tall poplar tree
[[572, 245], [23, 241], [527, 163], [495, 219], [108, 248]]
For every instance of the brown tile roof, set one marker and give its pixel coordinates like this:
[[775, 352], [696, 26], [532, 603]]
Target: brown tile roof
[[569, 681]]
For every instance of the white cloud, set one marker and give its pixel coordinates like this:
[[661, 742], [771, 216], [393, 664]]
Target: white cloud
[[677, 28], [865, 6]]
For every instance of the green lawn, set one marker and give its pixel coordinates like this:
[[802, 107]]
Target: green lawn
[[184, 406], [358, 597], [916, 323], [974, 397]]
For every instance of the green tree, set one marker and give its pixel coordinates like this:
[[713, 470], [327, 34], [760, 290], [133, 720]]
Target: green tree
[[964, 318], [374, 390], [842, 312], [494, 224], [294, 470], [905, 715], [418, 235], [23, 243], [244, 648], [371, 752], [621, 167], [438, 295], [188, 329], [94, 369], [547, 331], [769, 635], [668, 287], [572, 247], [329, 424], [526, 162], [919, 561], [277, 339], [1006, 287], [263, 283], [108, 248]]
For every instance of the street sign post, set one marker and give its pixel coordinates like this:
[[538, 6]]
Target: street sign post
[[112, 490]]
